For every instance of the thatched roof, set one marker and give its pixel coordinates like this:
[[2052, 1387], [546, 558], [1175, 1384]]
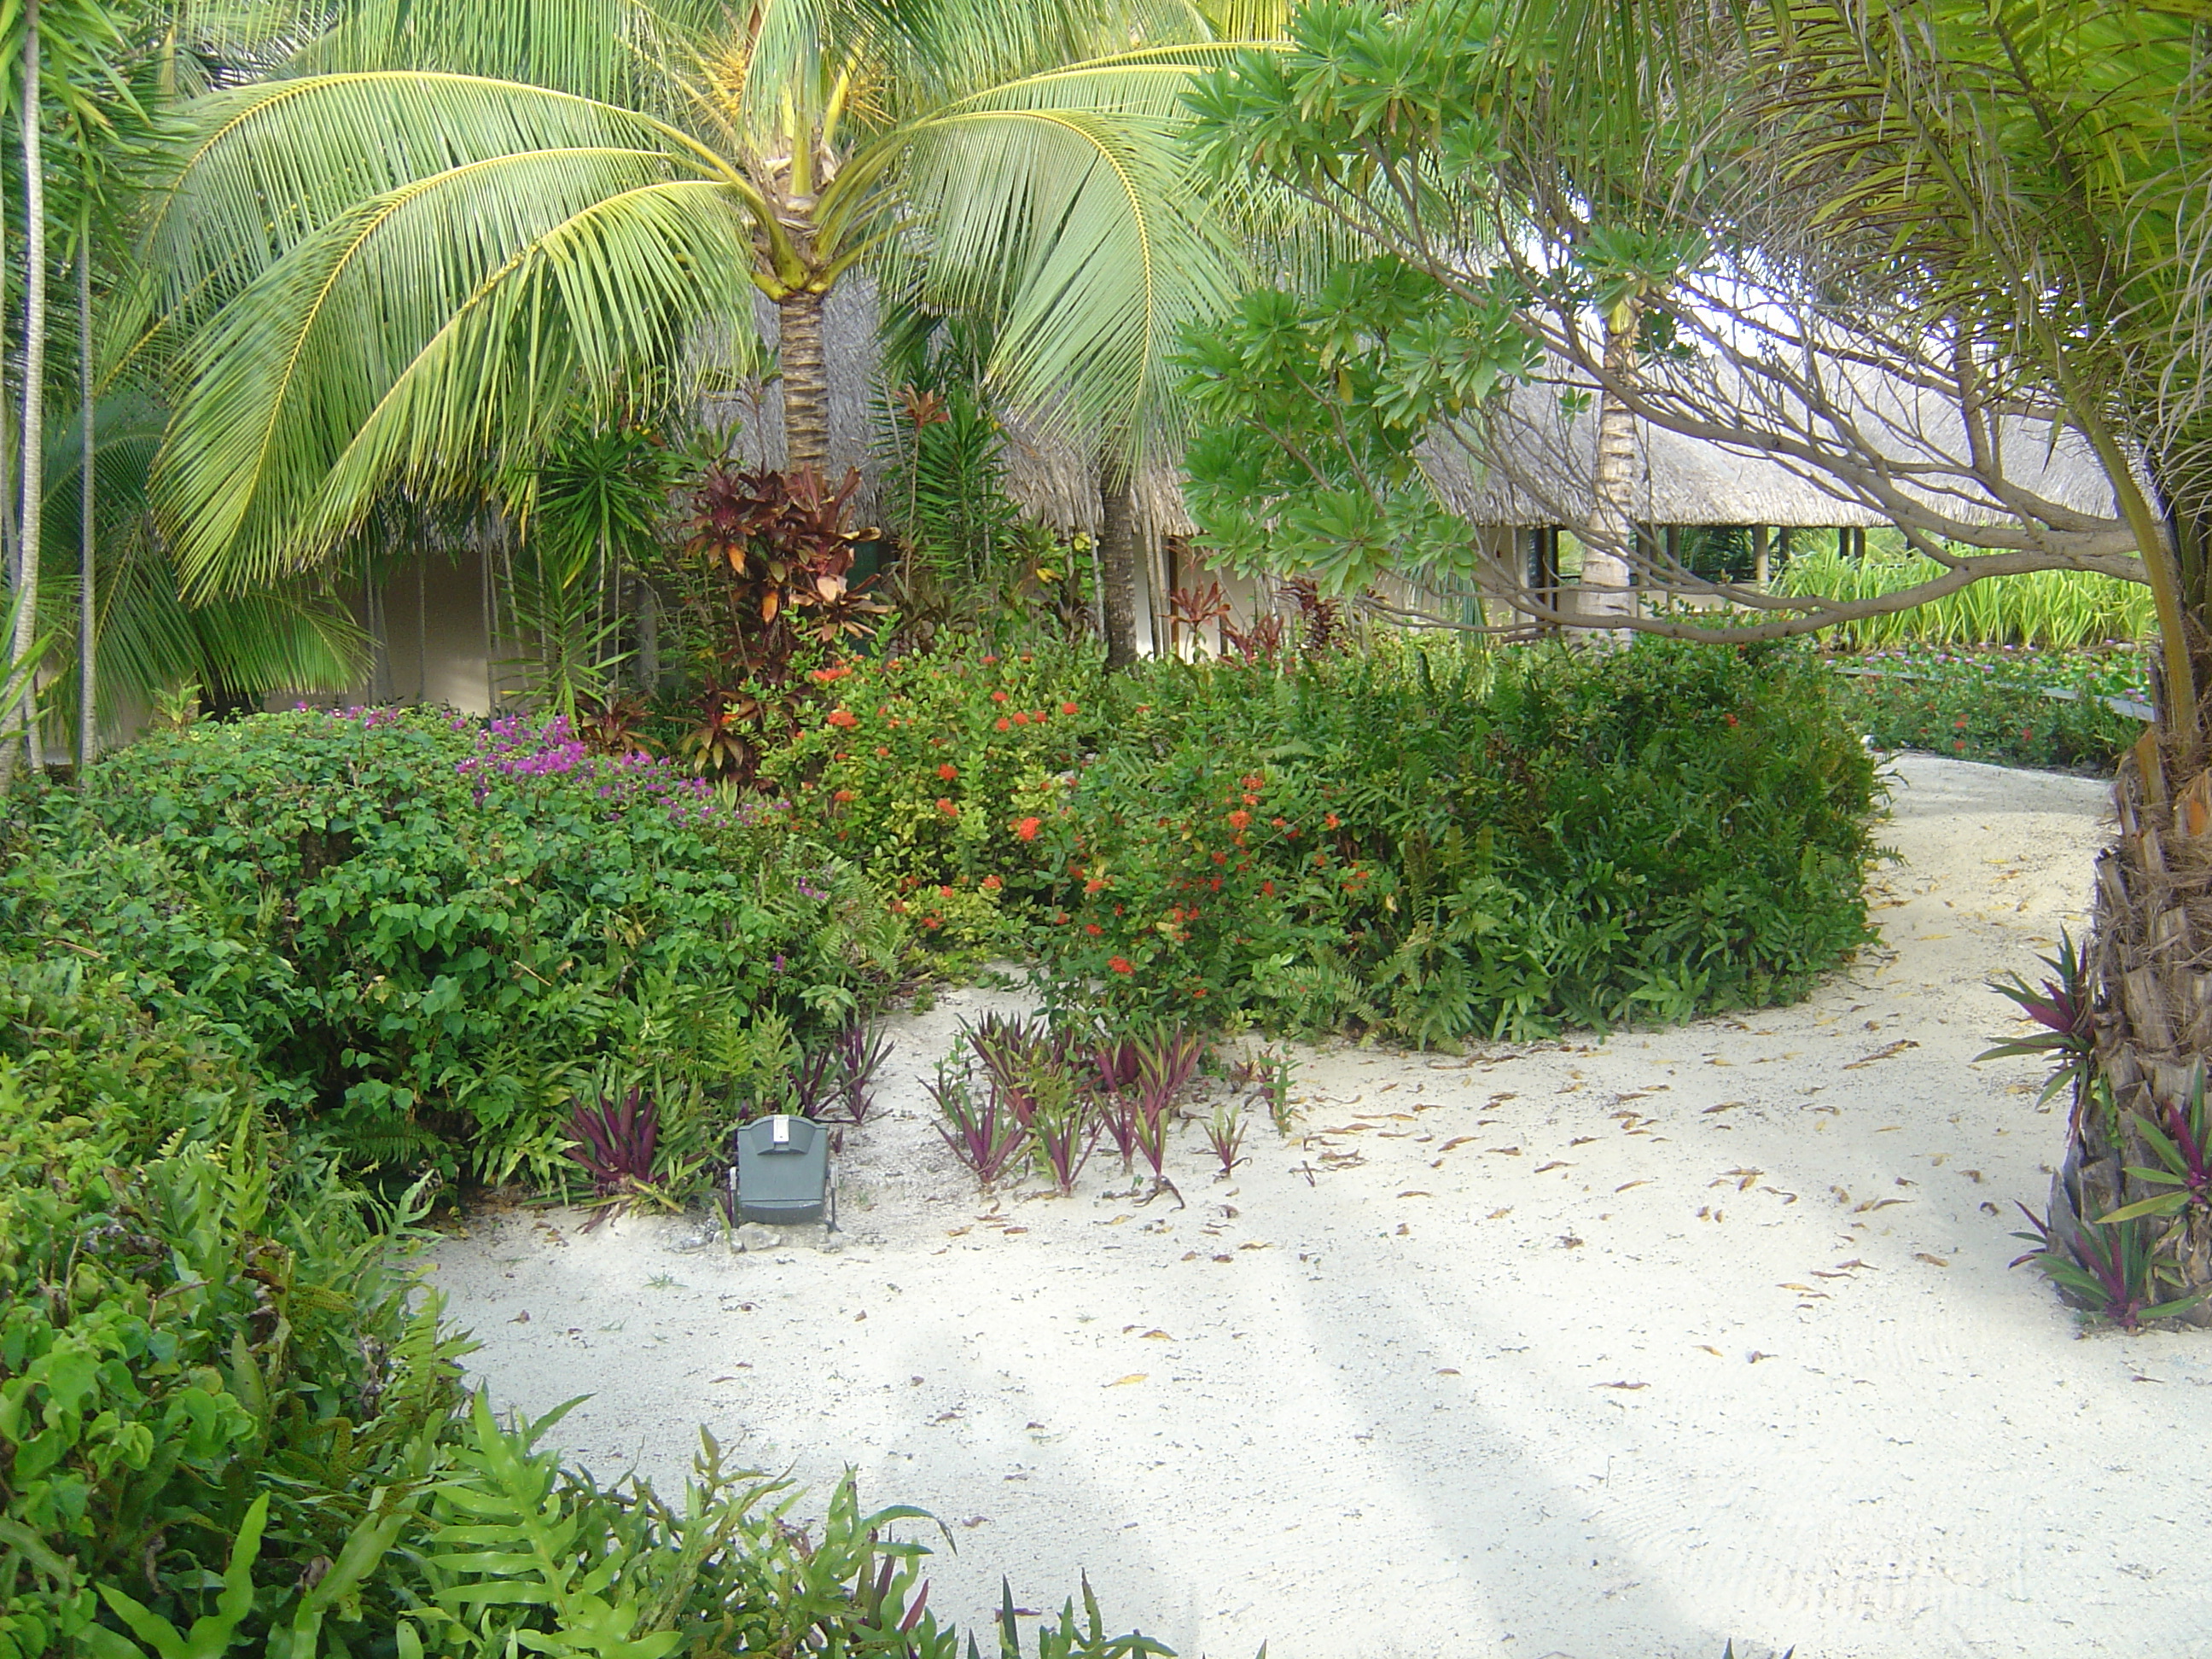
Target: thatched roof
[[1532, 466]]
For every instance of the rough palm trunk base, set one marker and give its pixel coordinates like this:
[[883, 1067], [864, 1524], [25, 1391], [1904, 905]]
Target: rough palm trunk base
[[2150, 963]]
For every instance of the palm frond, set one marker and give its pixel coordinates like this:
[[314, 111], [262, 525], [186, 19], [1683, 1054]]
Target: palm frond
[[1064, 205], [429, 336], [268, 166]]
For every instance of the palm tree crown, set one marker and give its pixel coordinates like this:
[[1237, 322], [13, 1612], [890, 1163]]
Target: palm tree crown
[[394, 269]]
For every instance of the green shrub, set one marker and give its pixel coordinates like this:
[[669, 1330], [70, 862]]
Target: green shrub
[[430, 935], [222, 1425], [1432, 844], [921, 768], [1997, 706]]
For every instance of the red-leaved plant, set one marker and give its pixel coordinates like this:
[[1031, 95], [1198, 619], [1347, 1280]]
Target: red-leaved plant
[[765, 574]]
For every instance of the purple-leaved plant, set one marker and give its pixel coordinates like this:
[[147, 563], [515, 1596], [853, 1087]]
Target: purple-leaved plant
[[617, 1144], [982, 1135]]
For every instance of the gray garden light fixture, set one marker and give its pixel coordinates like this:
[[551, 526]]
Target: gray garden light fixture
[[782, 1174]]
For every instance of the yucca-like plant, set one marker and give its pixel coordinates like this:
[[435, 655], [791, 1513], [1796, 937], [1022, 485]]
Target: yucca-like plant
[[401, 268]]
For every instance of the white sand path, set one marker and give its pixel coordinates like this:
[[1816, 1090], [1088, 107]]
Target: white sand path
[[1602, 1350]]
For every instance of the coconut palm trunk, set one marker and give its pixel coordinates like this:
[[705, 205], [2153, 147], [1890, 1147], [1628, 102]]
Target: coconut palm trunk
[[1117, 563], [805, 382], [1611, 529], [34, 369]]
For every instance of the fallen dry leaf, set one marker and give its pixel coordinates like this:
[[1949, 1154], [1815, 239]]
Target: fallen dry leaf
[[1626, 1185], [1630, 1386], [1889, 1052], [1446, 1371], [1556, 1163], [1932, 1261], [1496, 1215], [1124, 1381]]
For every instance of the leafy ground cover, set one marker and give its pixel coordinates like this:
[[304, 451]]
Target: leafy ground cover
[[430, 936], [1998, 705], [1429, 844], [228, 1422]]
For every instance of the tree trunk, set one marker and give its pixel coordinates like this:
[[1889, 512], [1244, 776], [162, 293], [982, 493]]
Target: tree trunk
[[1117, 563], [806, 384], [35, 366], [1611, 529], [645, 606], [2153, 906], [88, 620]]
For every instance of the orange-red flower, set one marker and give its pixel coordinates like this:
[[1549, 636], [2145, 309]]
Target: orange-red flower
[[1028, 828], [1067, 709], [1093, 929], [842, 796], [844, 719], [947, 807], [1330, 820], [1006, 725], [1240, 819], [1020, 719], [992, 883], [948, 771], [997, 696], [1094, 886], [1121, 965]]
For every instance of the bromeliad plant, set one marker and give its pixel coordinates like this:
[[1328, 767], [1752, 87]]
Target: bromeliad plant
[[984, 1135], [617, 1142], [861, 1051], [2108, 1268], [2066, 1009], [1062, 1126], [1224, 1135], [2186, 1160]]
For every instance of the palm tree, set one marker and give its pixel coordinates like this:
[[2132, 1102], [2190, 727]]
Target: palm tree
[[458, 260]]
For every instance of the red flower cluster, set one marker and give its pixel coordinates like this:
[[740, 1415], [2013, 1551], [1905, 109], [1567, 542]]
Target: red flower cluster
[[844, 719], [1028, 828]]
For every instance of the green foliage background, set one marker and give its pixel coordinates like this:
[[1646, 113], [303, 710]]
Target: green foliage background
[[426, 963]]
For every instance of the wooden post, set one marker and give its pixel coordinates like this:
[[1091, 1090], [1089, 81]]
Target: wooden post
[[1761, 537]]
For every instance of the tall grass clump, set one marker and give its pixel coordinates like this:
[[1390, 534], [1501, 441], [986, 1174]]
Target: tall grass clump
[[2066, 609]]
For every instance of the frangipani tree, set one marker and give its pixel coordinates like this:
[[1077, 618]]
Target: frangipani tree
[[377, 276], [1590, 212]]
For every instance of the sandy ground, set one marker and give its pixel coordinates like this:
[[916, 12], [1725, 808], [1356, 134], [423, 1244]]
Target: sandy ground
[[1608, 1350]]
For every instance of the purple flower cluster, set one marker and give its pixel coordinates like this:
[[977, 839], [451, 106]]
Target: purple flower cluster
[[520, 748]]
